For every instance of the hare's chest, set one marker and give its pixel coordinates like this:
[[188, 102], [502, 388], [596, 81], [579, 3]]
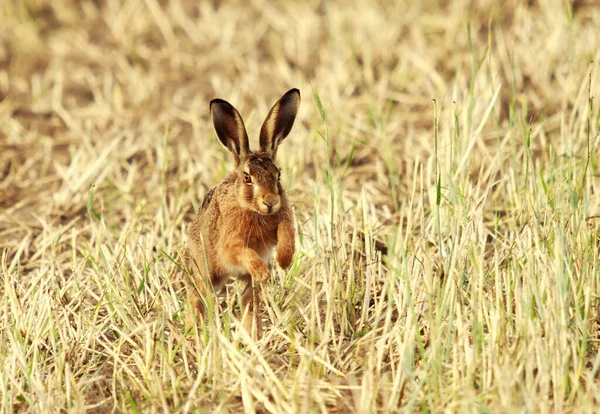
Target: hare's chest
[[264, 243], [262, 240]]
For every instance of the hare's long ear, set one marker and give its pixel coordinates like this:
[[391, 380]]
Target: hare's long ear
[[279, 122], [230, 128]]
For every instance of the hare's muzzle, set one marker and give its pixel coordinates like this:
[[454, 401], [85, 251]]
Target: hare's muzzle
[[269, 204]]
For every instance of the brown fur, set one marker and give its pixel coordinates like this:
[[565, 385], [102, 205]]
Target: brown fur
[[240, 223]]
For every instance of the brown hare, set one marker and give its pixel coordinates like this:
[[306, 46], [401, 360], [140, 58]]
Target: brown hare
[[246, 215]]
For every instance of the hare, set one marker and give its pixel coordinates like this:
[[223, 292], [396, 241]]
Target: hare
[[246, 215]]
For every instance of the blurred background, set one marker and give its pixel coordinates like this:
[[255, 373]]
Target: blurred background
[[86, 79]]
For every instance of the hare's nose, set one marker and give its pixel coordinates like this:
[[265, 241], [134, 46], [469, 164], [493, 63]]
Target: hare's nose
[[268, 206], [270, 200]]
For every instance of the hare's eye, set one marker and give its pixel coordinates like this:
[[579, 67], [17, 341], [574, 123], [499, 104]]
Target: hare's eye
[[247, 178]]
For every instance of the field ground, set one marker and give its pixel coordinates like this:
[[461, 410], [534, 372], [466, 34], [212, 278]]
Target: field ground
[[443, 169]]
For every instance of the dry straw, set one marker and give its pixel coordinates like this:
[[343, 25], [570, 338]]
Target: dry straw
[[443, 170]]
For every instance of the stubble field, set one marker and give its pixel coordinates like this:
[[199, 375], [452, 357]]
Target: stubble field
[[443, 170]]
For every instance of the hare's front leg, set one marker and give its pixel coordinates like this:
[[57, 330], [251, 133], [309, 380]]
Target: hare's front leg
[[285, 243], [251, 309], [236, 253]]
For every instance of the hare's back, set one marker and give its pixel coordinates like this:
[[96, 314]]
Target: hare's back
[[209, 217]]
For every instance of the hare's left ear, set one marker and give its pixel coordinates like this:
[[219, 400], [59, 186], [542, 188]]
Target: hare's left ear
[[230, 129], [279, 122]]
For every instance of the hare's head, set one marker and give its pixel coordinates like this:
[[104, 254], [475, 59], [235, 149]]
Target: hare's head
[[257, 175]]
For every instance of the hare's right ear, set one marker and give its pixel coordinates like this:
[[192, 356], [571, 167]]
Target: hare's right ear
[[230, 128], [279, 122]]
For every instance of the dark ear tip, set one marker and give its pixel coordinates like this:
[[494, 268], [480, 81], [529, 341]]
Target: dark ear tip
[[294, 91], [220, 105], [217, 101]]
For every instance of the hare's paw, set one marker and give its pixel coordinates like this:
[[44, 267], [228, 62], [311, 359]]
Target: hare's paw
[[285, 254], [285, 244], [259, 271]]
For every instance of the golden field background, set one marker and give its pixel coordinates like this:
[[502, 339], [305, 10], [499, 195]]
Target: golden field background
[[443, 170]]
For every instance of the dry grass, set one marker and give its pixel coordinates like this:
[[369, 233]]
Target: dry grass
[[462, 139]]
